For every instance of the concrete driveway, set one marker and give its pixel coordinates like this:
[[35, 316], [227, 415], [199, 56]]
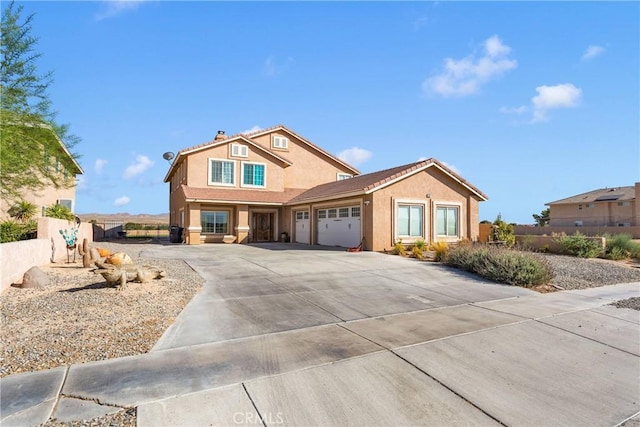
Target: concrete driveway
[[292, 335]]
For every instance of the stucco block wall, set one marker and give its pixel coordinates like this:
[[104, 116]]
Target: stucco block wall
[[18, 257], [198, 171], [310, 167]]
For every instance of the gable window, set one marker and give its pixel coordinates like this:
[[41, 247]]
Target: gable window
[[216, 222], [253, 174], [221, 172], [447, 221], [238, 150], [342, 176], [410, 221], [280, 142]]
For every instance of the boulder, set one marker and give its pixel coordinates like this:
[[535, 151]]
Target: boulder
[[35, 278]]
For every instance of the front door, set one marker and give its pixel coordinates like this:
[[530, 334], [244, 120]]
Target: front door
[[262, 226]]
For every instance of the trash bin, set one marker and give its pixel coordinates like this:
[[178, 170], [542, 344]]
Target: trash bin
[[175, 234], [284, 237]]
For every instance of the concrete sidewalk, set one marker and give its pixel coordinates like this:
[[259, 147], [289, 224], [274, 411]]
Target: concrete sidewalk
[[369, 340]]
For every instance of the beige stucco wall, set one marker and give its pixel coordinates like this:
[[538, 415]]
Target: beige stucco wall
[[601, 214], [18, 257], [304, 159], [441, 189], [42, 199], [198, 168]]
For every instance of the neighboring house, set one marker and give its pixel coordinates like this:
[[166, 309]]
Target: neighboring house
[[50, 195], [608, 207], [275, 184]]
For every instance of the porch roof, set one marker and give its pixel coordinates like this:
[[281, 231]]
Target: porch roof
[[234, 196]]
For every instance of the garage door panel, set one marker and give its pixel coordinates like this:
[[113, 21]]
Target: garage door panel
[[339, 226], [302, 227]]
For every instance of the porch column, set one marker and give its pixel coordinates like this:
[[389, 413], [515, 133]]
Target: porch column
[[194, 227], [242, 223]]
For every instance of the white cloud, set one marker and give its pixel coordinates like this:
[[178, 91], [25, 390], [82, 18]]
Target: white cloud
[[141, 164], [113, 8], [81, 183], [564, 95], [255, 128], [514, 110], [466, 76], [452, 167], [121, 201], [355, 155], [273, 66], [99, 165], [592, 51]]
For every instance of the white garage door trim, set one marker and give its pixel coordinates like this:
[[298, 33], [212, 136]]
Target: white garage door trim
[[302, 227], [339, 226]]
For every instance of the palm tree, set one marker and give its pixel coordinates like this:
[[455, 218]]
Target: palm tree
[[59, 211], [23, 211]]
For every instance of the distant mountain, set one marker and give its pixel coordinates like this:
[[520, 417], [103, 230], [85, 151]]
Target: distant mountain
[[127, 217]]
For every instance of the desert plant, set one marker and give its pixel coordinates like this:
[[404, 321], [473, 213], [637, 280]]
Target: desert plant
[[399, 249], [59, 211], [440, 248], [503, 232], [579, 245], [421, 244], [22, 211], [12, 231], [417, 252], [621, 246], [502, 265]]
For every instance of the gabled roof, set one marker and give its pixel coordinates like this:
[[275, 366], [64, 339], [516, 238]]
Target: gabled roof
[[251, 197], [234, 138], [305, 141], [600, 195], [368, 183]]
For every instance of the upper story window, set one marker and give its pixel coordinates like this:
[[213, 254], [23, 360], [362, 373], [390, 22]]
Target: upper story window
[[590, 205], [342, 176], [253, 174], [222, 172], [238, 150], [280, 142], [624, 204]]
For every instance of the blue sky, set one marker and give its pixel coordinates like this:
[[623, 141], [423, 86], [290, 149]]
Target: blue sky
[[529, 101]]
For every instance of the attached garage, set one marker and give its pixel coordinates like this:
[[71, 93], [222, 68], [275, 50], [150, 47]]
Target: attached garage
[[302, 227], [339, 226]]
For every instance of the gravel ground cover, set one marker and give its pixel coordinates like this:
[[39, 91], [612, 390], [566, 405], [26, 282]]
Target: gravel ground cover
[[580, 273], [78, 318]]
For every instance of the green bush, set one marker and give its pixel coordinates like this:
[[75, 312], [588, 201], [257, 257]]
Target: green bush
[[502, 265], [579, 245], [421, 244], [60, 212], [399, 249], [622, 246], [11, 231], [503, 232]]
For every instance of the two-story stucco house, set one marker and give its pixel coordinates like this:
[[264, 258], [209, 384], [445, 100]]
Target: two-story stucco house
[[609, 207], [64, 193], [275, 184]]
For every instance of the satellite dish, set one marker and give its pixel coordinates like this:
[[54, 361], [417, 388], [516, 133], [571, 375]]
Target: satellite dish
[[168, 156]]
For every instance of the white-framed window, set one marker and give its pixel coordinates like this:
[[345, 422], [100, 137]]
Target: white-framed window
[[303, 215], [579, 207], [280, 142], [67, 203], [447, 221], [590, 205], [355, 212], [624, 203], [410, 220], [343, 213], [253, 174], [238, 150], [341, 176], [216, 222], [322, 214], [222, 172], [331, 213]]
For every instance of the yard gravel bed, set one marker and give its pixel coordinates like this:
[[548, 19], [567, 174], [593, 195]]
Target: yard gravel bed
[[78, 318], [580, 273]]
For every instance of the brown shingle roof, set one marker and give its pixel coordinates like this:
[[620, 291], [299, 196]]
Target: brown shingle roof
[[227, 195], [611, 194], [371, 181]]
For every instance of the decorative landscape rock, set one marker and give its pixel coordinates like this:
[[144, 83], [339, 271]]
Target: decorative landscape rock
[[35, 278], [119, 275], [119, 258]]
